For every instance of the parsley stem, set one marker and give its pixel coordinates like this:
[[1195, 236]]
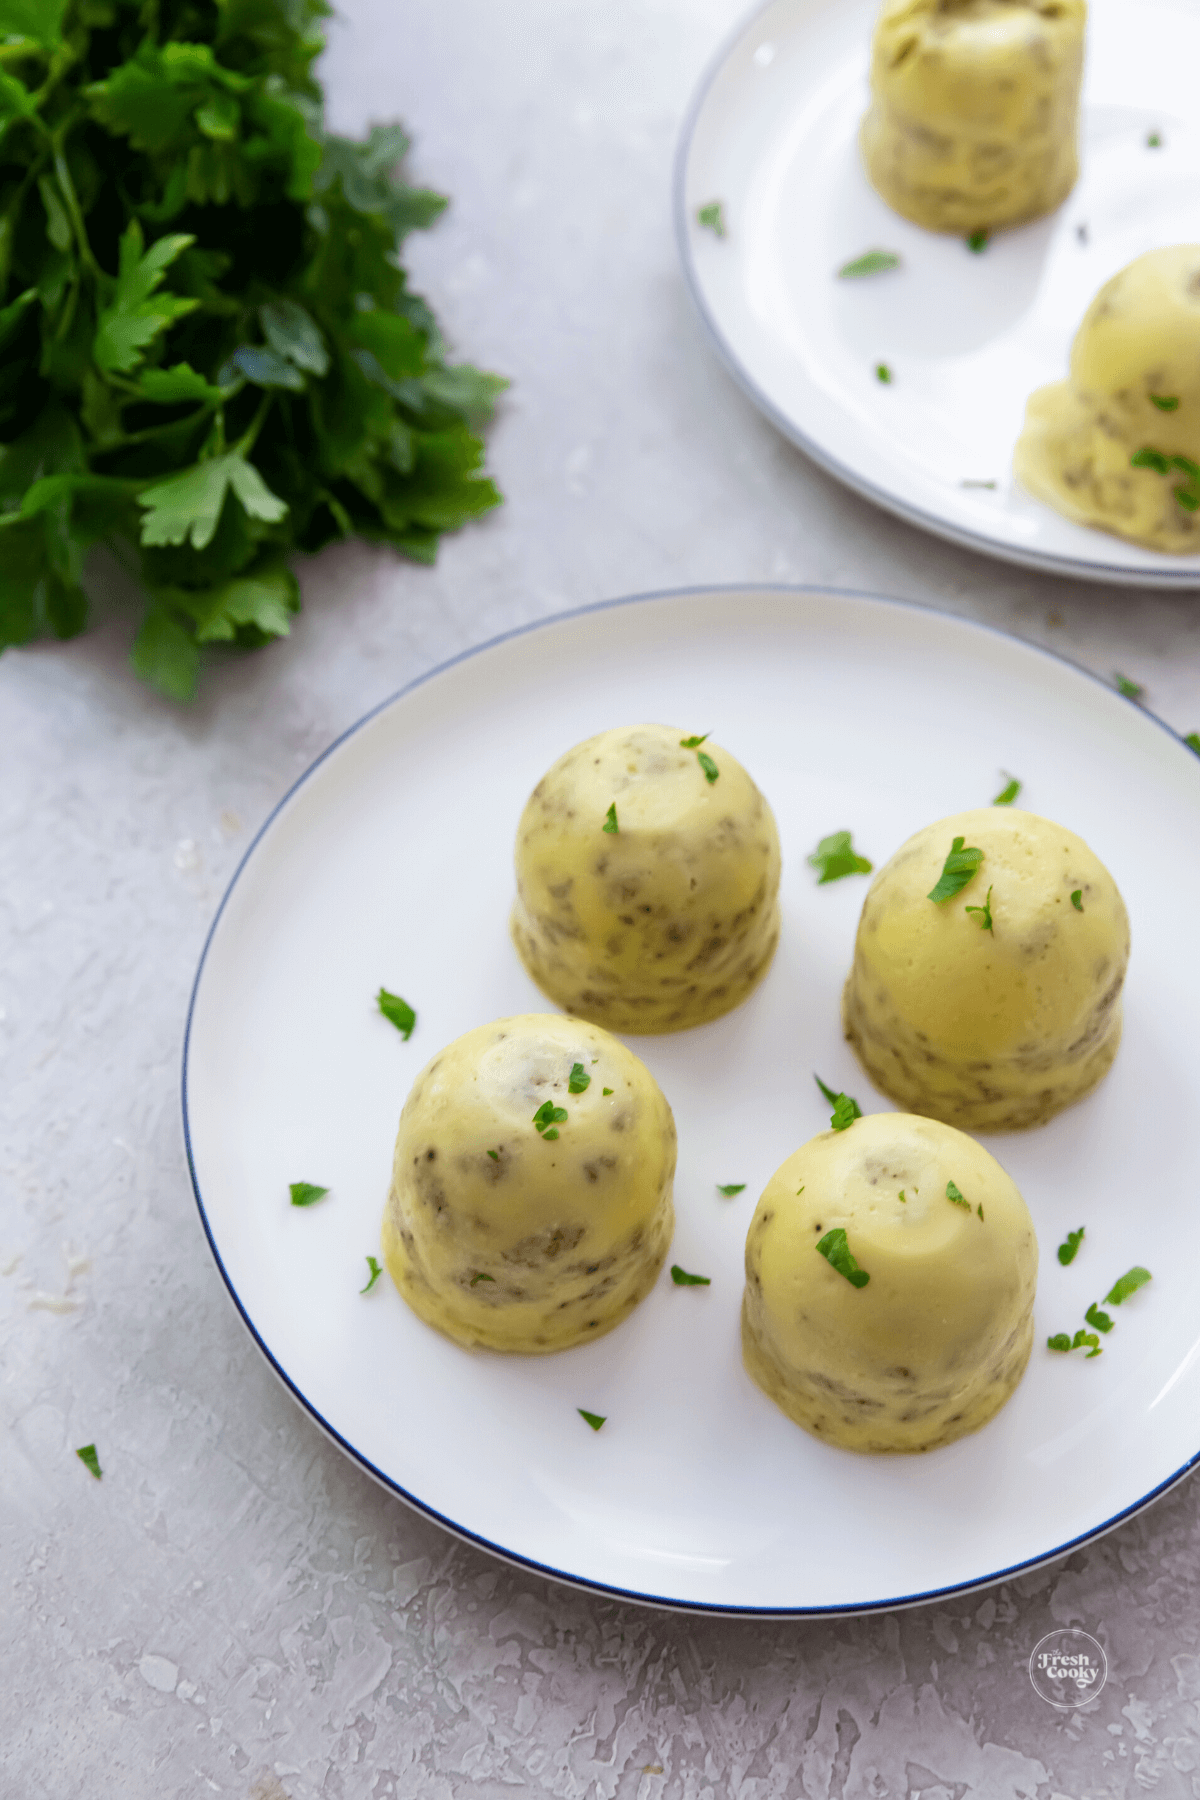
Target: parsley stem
[[71, 200], [245, 443]]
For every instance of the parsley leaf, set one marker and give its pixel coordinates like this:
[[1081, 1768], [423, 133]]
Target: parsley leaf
[[712, 217], [1192, 740], [1154, 140], [398, 1011], [1069, 1247], [208, 343], [87, 1456], [305, 1193], [1077, 899], [985, 912], [872, 262], [548, 1116], [845, 1109], [478, 1276], [731, 1188], [883, 373], [374, 1271], [1187, 494], [1060, 1341], [1009, 791], [978, 242], [835, 856], [579, 1079], [1128, 1284], [495, 1155], [681, 1278], [710, 768], [955, 1195], [607, 1090], [835, 1248], [595, 1420], [1100, 1320], [1165, 402], [694, 743], [610, 819], [1132, 690], [957, 871]]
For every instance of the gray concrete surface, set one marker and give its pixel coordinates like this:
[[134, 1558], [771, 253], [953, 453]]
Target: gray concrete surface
[[235, 1609]]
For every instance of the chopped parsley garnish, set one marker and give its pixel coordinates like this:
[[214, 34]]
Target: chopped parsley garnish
[[580, 1079], [1100, 1320], [1082, 1340], [1009, 791], [606, 1090], [969, 483], [836, 856], [304, 1193], [731, 1188], [1188, 495], [956, 1196], [374, 1271], [872, 262], [681, 1278], [1154, 140], [1192, 740], [904, 1197], [979, 1210], [710, 768], [836, 1251], [694, 743], [1077, 899], [610, 819], [548, 1117], [1060, 1341], [883, 373], [1128, 1284], [91, 1462], [977, 242], [1132, 690], [845, 1109], [478, 1276], [985, 913], [957, 870], [1068, 1248], [495, 1155], [1165, 402], [398, 1011], [712, 218], [595, 1420]]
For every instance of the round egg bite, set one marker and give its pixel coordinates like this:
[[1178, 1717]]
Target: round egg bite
[[997, 1006], [647, 881], [890, 1278], [530, 1206]]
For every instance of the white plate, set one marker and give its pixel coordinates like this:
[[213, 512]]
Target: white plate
[[773, 137], [390, 863]]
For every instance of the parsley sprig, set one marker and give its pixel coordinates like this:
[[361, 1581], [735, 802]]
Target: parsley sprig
[[209, 353], [548, 1118], [985, 913], [957, 870], [835, 1248], [845, 1108], [836, 856]]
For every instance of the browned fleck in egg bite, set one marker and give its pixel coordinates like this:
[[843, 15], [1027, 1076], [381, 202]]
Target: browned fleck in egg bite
[[647, 881], [530, 1206]]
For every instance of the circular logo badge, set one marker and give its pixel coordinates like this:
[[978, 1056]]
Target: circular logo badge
[[1068, 1669]]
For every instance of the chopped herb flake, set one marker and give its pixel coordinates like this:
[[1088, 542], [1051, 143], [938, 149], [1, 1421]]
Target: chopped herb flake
[[836, 1251], [681, 1278], [1060, 1341], [1165, 402], [845, 1109], [606, 1090], [955, 1194], [1077, 899], [1009, 791], [1101, 1320], [610, 819], [731, 1188], [872, 262], [985, 913], [1188, 494], [836, 856], [1068, 1248], [398, 1011], [969, 483], [979, 1210], [478, 1276], [1132, 690], [694, 743], [883, 373], [91, 1462], [957, 871], [547, 1115], [374, 1271], [580, 1079], [595, 1420], [977, 242], [1192, 740], [903, 1197], [1154, 140], [1128, 1284], [495, 1155], [710, 768], [304, 1193], [1086, 1339], [712, 217]]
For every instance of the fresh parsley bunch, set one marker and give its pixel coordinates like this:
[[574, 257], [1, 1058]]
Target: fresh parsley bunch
[[209, 356]]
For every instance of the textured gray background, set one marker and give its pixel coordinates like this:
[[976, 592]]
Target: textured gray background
[[235, 1609]]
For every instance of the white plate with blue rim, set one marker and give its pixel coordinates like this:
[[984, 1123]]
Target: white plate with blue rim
[[390, 864], [772, 141]]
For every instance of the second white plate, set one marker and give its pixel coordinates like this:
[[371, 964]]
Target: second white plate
[[773, 138], [391, 863]]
